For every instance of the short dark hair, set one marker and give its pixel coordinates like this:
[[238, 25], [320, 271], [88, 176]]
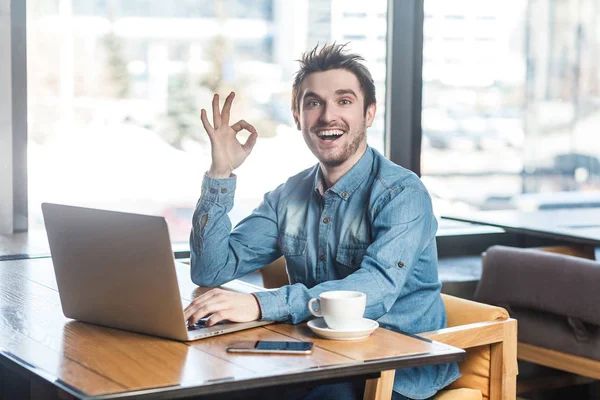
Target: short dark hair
[[329, 57]]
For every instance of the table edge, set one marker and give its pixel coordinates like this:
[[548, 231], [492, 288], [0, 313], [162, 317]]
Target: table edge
[[225, 385]]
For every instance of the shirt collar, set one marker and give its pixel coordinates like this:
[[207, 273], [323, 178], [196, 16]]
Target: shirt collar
[[351, 179]]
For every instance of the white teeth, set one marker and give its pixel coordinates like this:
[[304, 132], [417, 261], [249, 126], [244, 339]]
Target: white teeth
[[331, 133]]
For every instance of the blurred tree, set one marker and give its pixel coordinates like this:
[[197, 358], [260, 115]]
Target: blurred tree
[[183, 113], [216, 53], [117, 66], [186, 94]]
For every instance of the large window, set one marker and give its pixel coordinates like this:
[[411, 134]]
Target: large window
[[511, 104], [115, 89]]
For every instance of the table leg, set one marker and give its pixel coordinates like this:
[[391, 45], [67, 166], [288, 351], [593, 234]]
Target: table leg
[[380, 388], [47, 391], [16, 386], [12, 385]]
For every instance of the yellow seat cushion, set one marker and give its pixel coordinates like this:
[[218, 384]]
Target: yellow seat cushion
[[475, 371], [458, 394]]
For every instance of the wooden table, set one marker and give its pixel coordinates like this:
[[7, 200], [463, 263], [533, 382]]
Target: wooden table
[[575, 225], [92, 362]]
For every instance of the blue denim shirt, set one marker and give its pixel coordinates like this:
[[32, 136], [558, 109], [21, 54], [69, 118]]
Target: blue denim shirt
[[373, 231]]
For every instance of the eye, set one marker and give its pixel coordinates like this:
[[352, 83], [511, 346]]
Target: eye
[[345, 102], [312, 103]]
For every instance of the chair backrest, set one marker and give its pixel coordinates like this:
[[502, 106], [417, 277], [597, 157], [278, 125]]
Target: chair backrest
[[554, 296], [275, 274]]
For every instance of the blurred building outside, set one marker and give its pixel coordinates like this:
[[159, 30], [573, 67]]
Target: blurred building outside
[[511, 102]]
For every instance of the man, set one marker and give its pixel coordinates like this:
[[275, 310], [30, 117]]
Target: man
[[355, 221]]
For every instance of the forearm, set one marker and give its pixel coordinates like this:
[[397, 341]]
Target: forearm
[[211, 227], [219, 255], [289, 303]]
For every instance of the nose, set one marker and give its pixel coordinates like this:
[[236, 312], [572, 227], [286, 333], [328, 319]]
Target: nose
[[328, 114]]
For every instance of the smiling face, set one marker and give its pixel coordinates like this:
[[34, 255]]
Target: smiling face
[[332, 117]]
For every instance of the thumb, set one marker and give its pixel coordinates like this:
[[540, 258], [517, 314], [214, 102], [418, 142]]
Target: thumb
[[250, 142]]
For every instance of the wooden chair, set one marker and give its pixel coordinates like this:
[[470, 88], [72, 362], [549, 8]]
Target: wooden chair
[[586, 369], [486, 332]]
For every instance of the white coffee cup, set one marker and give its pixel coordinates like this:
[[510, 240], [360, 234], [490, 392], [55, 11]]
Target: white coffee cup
[[341, 309]]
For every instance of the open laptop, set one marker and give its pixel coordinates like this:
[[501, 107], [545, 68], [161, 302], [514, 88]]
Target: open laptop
[[117, 269]]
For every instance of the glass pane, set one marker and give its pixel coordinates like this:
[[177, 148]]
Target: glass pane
[[511, 103], [116, 87]]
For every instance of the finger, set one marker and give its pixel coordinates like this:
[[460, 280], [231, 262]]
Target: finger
[[242, 124], [250, 142], [190, 310], [205, 123], [216, 112], [206, 310], [196, 316], [227, 109], [217, 317], [199, 302], [204, 305]]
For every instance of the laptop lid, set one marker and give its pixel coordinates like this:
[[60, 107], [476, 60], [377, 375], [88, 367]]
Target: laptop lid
[[115, 269]]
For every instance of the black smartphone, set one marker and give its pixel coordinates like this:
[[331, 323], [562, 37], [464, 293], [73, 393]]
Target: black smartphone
[[270, 347]]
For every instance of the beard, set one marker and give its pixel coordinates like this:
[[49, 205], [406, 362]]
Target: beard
[[357, 136]]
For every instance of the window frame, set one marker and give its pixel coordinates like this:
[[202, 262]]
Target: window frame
[[404, 83], [13, 118]]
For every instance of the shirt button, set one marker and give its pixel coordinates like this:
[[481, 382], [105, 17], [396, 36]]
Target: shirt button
[[212, 190], [400, 264], [223, 190], [325, 220], [322, 258], [345, 194]]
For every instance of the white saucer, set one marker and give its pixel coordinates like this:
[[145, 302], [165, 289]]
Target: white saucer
[[362, 331]]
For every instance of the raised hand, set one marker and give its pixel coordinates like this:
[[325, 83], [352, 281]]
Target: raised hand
[[226, 150]]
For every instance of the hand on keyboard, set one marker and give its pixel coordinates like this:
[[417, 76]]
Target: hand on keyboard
[[202, 324]]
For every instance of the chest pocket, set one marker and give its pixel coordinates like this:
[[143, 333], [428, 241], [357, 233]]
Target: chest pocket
[[351, 257], [294, 251], [292, 245]]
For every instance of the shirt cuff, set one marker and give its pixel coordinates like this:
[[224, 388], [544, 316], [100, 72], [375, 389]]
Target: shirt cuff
[[219, 190], [273, 306]]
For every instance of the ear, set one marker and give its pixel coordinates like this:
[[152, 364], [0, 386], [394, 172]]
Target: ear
[[370, 114], [297, 121]]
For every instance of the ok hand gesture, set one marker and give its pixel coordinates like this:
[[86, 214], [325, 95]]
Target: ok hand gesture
[[226, 150]]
